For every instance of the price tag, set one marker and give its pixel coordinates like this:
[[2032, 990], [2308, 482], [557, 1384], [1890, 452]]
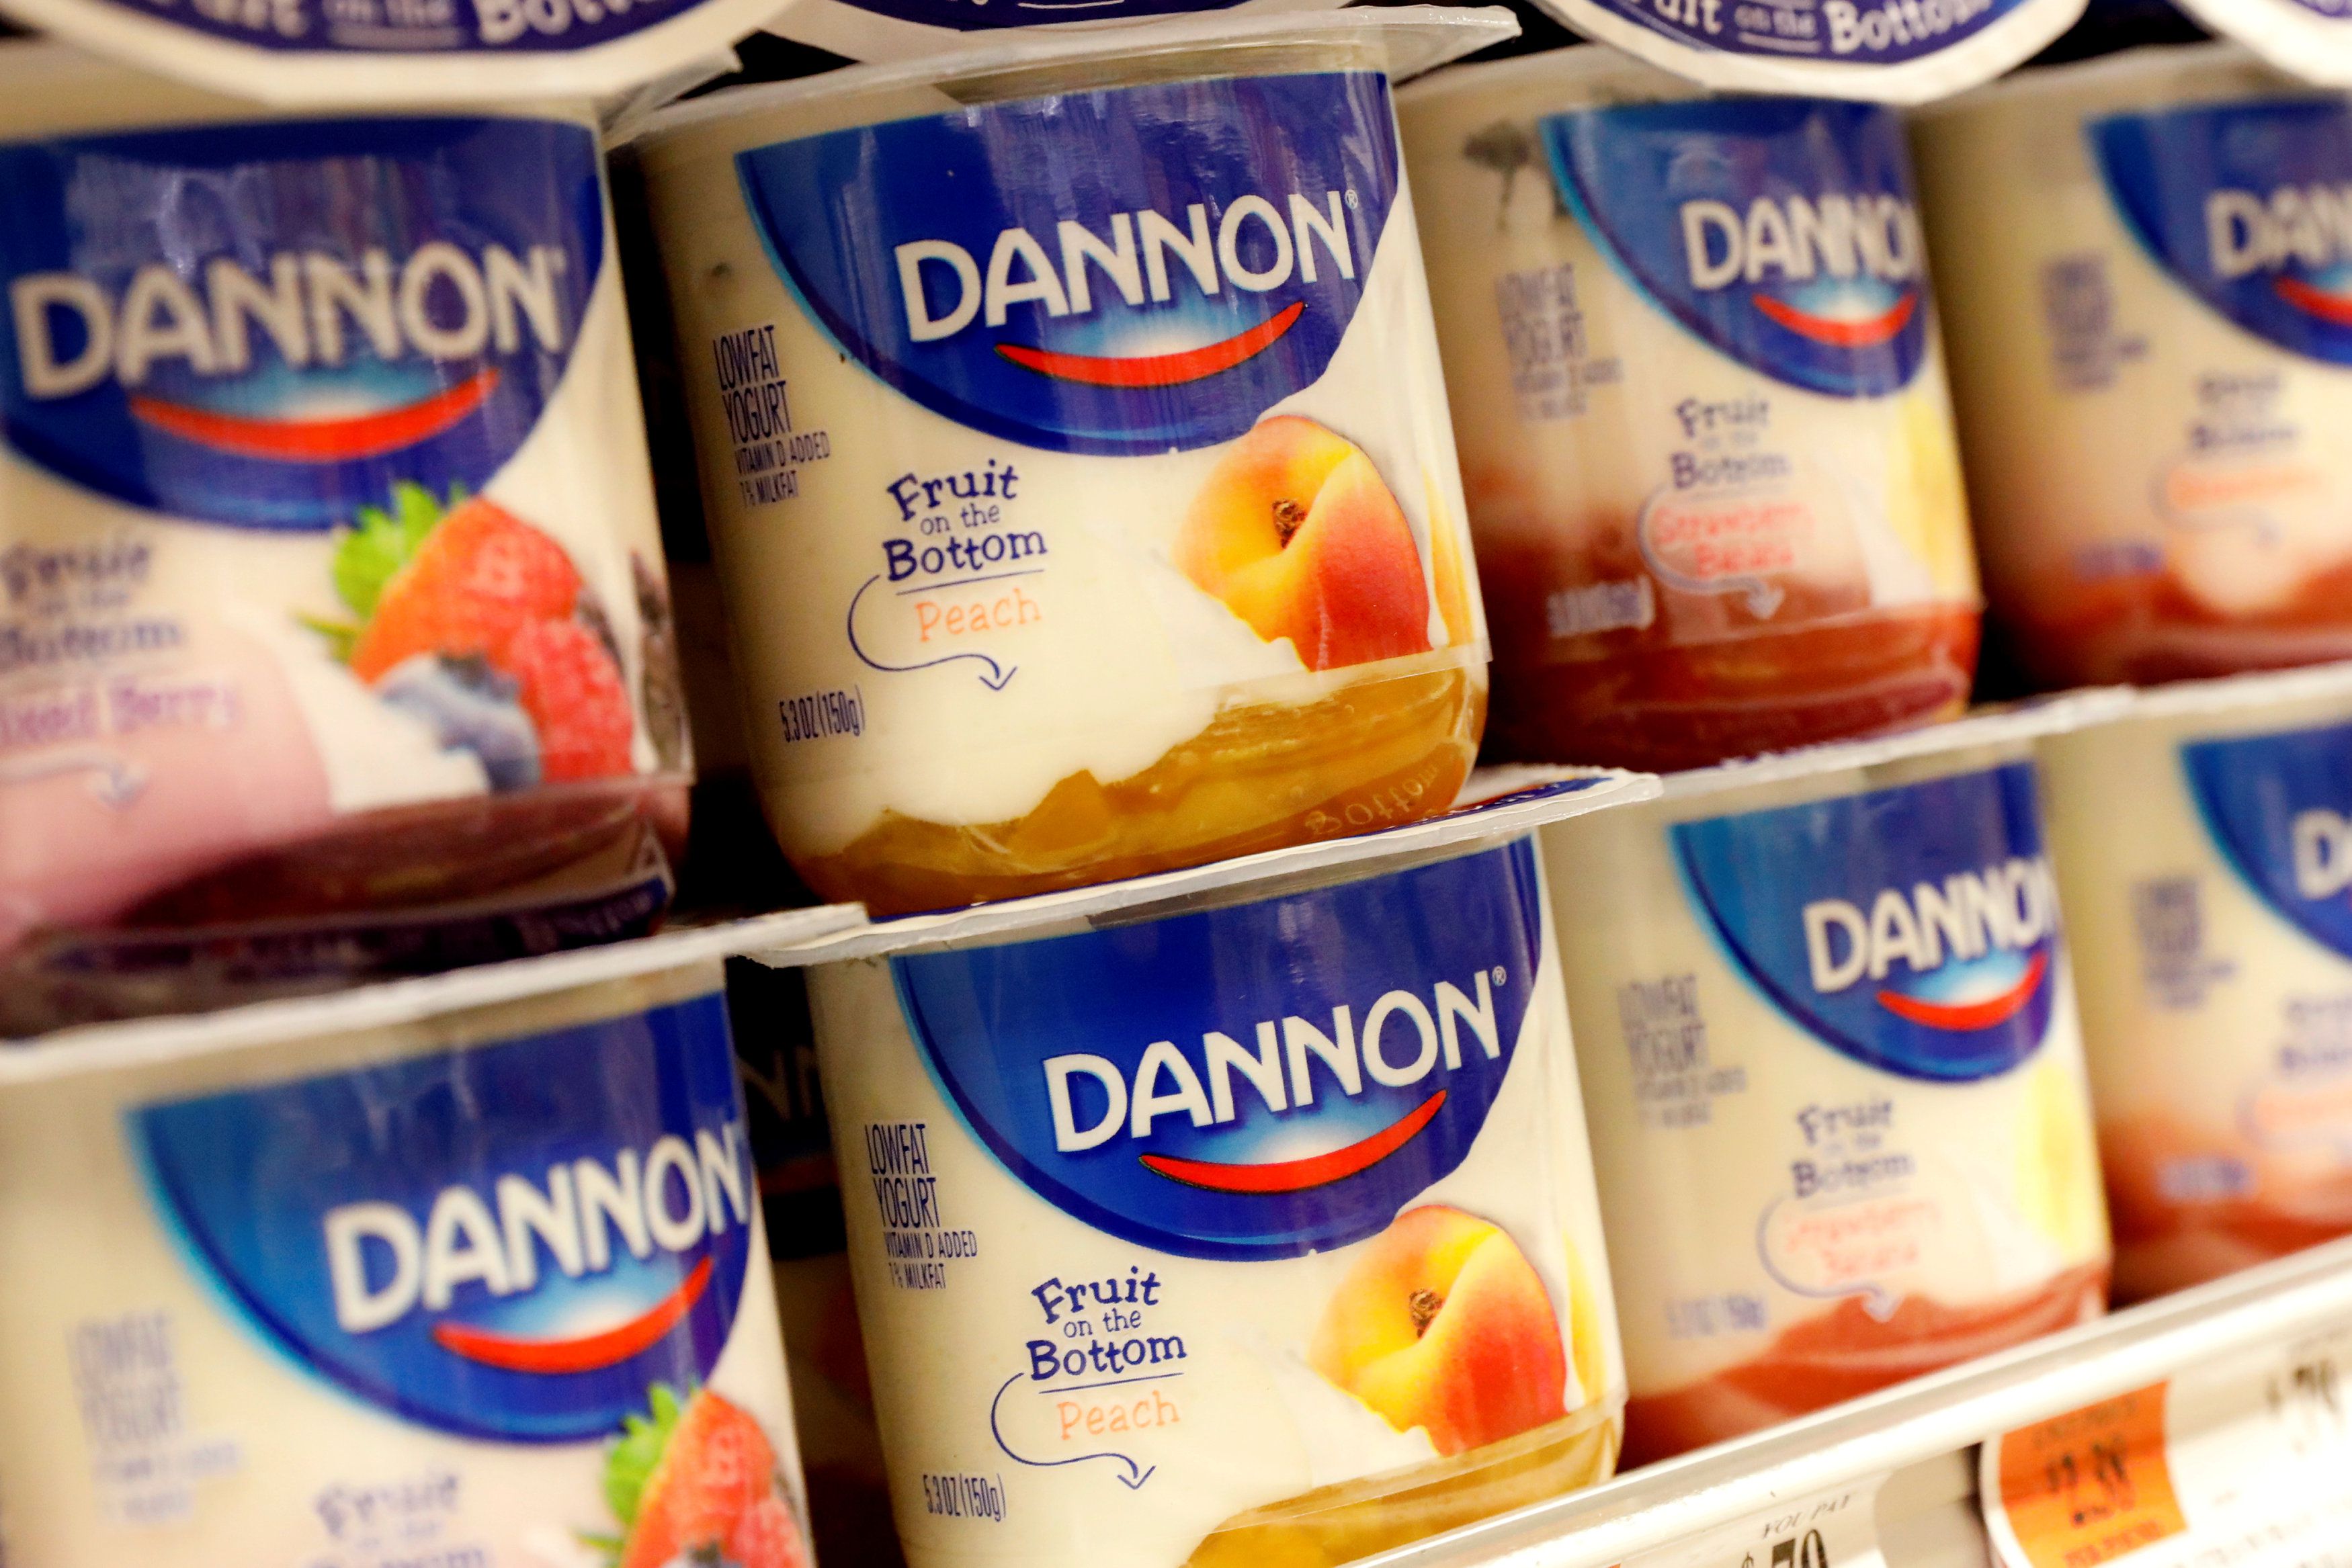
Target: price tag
[[2245, 1462], [2082, 1489], [1837, 1529]]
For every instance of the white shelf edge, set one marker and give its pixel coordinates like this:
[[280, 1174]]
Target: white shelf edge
[[1664, 1503]]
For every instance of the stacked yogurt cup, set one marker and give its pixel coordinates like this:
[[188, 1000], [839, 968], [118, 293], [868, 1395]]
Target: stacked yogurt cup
[[339, 648]]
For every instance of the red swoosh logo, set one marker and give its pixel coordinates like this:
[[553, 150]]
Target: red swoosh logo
[[1156, 370], [589, 1353], [2332, 308], [1298, 1175], [1969, 1015], [1866, 333], [320, 440]]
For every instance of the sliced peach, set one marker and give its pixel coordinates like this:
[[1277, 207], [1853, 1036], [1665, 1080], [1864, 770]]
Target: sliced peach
[[1444, 1324], [1299, 536]]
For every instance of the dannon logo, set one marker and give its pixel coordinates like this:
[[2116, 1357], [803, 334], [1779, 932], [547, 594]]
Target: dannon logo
[[1255, 1081], [1782, 231], [1189, 255], [2279, 808], [1914, 928], [2249, 207], [255, 324], [492, 1241]]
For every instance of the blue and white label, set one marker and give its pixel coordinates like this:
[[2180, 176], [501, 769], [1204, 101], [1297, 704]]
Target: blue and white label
[[512, 1242], [1191, 255], [1841, 32], [1913, 929], [1258, 1082], [272, 325], [2279, 807], [2249, 207], [1782, 232]]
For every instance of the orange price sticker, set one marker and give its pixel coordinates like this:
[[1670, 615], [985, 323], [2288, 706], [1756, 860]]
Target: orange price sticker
[[2092, 1485]]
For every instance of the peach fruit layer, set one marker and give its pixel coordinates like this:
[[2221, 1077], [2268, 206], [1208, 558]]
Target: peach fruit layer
[[1377, 753], [1340, 1523]]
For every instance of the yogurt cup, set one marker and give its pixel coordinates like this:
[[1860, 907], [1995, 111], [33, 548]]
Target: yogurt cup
[[418, 1277], [1251, 1217], [2153, 433], [1700, 399], [1833, 1075], [1056, 559], [1883, 51], [334, 637], [345, 54], [2200, 845]]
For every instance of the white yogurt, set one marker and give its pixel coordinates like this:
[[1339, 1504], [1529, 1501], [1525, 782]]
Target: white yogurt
[[1040, 432], [484, 1285], [1833, 1076], [1162, 1221], [2201, 845], [324, 492], [2152, 397], [1699, 393]]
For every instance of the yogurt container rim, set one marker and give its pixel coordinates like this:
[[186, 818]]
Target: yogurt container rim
[[98, 1047], [352, 82], [1497, 804], [2010, 726], [2143, 59], [1417, 38], [1579, 65], [2228, 694], [854, 31]]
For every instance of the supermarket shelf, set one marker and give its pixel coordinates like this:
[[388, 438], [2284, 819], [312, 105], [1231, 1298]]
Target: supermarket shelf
[[1923, 1423]]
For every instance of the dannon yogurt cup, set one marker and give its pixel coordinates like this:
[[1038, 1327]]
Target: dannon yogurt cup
[[1237, 1227], [2155, 249], [333, 631], [1833, 1076], [1699, 394], [2203, 848], [1077, 452], [471, 1286]]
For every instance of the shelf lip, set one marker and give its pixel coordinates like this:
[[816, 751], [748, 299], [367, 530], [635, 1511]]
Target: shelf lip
[[1662, 1504]]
